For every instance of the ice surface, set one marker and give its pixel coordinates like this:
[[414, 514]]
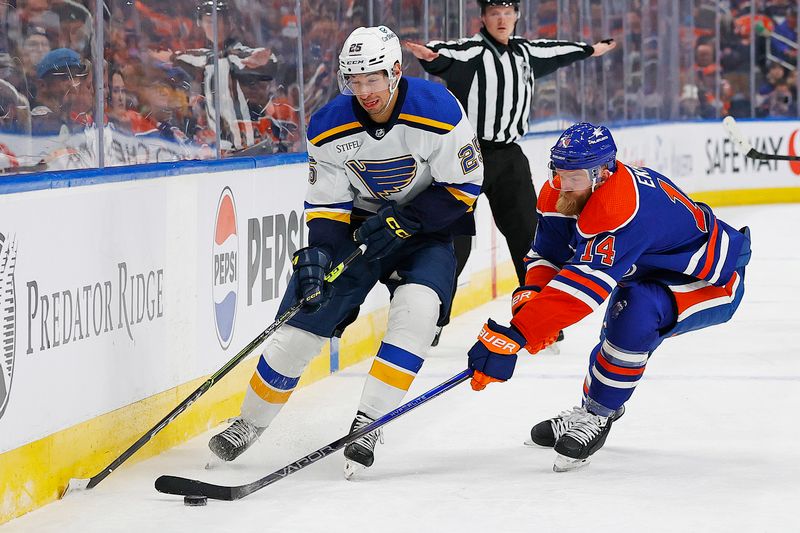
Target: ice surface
[[709, 441]]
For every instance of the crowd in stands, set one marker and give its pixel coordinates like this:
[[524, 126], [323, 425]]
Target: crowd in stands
[[771, 37], [162, 66], [174, 89]]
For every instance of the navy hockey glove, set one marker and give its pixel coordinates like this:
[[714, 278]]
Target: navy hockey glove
[[494, 356], [523, 295], [310, 266], [386, 231]]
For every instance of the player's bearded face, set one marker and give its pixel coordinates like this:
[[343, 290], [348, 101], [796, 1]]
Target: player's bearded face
[[571, 203], [574, 187]]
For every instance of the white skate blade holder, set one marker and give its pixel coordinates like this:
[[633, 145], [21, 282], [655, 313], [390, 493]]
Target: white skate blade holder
[[567, 464], [351, 468]]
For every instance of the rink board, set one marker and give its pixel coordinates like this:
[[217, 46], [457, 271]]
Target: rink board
[[117, 298], [702, 160]]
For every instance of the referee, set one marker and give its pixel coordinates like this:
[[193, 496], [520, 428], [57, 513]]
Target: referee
[[493, 74]]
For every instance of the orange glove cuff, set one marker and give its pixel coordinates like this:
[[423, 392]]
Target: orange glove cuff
[[541, 345]]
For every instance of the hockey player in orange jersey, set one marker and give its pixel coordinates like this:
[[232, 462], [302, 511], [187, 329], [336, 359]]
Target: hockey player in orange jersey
[[610, 231]]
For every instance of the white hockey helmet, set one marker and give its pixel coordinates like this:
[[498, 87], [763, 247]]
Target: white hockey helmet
[[369, 50]]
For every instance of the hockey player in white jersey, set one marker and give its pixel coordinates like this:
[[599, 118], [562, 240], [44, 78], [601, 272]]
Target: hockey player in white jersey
[[394, 164]]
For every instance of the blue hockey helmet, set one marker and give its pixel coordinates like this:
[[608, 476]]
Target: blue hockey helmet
[[583, 146], [586, 146]]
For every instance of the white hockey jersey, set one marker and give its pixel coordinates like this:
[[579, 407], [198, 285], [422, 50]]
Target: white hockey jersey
[[425, 157]]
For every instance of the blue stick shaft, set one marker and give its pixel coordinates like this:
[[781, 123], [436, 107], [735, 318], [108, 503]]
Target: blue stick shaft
[[185, 487], [219, 374]]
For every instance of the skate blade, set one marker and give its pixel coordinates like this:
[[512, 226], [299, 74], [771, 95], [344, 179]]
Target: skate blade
[[351, 468], [75, 485], [214, 463], [530, 444], [567, 464]]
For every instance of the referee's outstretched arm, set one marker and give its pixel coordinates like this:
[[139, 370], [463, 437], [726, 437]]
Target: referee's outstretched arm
[[494, 81], [437, 56]]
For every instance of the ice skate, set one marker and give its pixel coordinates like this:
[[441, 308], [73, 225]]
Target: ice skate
[[359, 454], [547, 432], [587, 434], [231, 443]]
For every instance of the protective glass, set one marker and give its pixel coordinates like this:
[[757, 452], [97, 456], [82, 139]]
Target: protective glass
[[361, 84], [568, 180], [65, 72], [72, 78]]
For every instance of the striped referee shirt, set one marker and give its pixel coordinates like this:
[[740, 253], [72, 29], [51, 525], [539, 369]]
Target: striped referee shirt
[[494, 82]]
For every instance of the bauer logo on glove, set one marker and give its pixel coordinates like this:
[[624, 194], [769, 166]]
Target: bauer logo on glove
[[523, 295], [494, 356], [497, 342]]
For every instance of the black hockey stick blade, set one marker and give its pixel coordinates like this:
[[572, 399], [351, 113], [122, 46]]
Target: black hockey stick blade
[[189, 487], [78, 484], [736, 135]]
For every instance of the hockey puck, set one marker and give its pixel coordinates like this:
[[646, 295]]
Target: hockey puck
[[195, 501]]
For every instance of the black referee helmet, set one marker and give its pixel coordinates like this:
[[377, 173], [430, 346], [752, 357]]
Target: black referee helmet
[[505, 3], [206, 8]]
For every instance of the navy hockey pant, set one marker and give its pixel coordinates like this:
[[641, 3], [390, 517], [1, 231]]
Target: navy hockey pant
[[423, 260], [640, 315]]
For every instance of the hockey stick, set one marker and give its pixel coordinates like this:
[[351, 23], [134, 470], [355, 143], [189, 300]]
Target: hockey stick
[[190, 487], [81, 484], [736, 135]]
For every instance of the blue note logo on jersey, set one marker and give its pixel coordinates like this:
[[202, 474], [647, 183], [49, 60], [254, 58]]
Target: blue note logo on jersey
[[386, 177]]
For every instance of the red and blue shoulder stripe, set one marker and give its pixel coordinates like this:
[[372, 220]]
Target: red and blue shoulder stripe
[[588, 285]]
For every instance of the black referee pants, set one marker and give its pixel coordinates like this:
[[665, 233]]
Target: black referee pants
[[508, 186]]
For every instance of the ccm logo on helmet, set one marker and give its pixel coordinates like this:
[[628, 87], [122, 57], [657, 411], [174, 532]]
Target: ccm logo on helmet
[[497, 343]]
